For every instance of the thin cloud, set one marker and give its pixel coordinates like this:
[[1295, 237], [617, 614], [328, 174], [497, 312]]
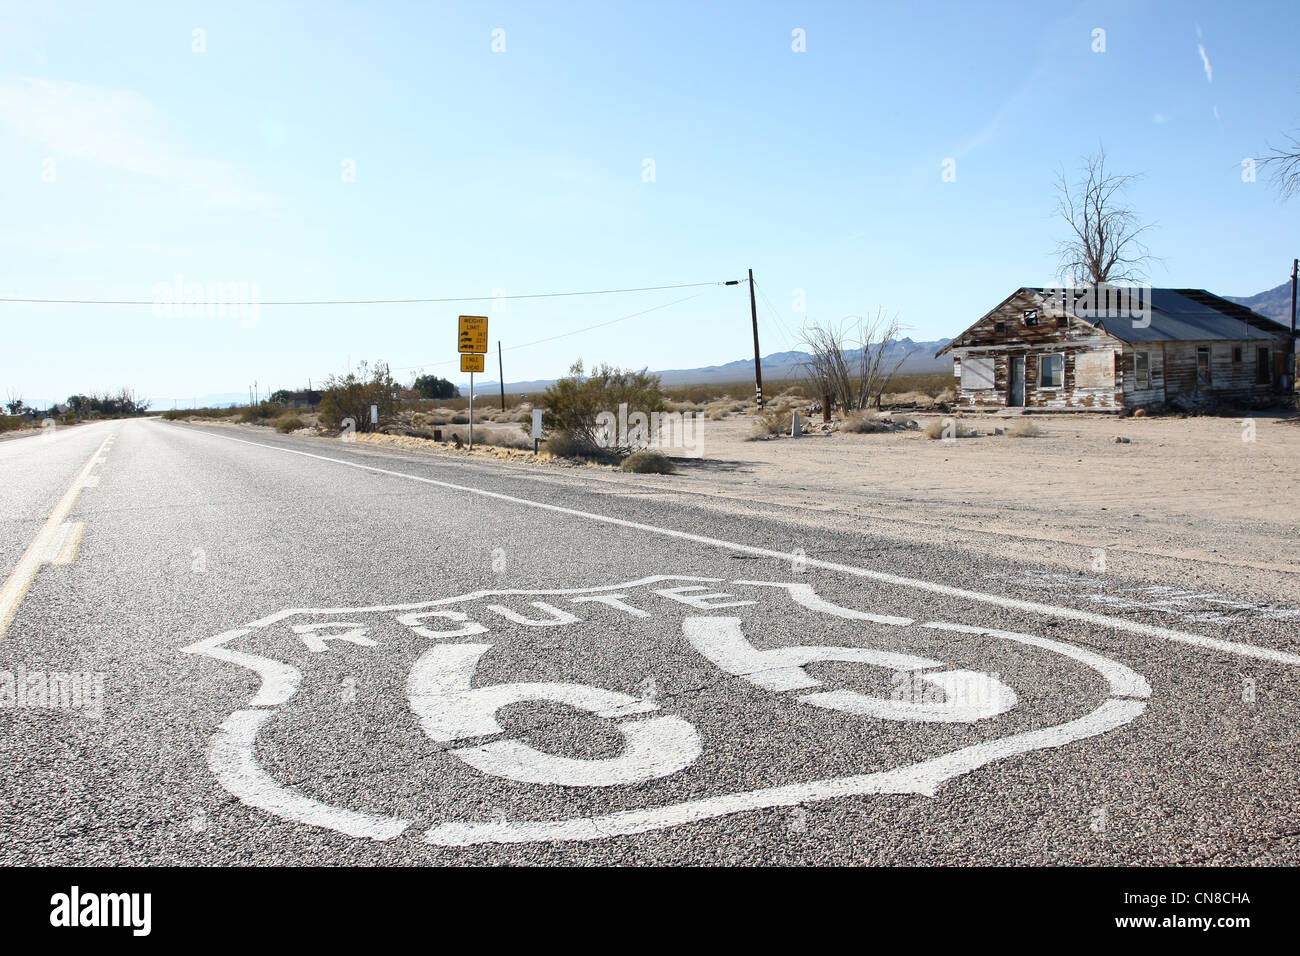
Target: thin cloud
[[118, 129], [1205, 62]]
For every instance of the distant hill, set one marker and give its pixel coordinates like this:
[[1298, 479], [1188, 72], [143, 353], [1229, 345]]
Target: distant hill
[[1275, 303], [917, 357]]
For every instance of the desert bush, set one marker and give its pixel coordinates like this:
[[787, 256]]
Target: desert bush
[[260, 411], [9, 423], [351, 395], [431, 386], [487, 435], [565, 445], [850, 364], [770, 424], [860, 423], [953, 427], [1024, 429], [288, 423], [649, 462], [172, 414], [580, 404]]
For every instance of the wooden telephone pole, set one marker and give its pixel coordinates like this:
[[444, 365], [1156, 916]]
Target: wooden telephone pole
[[501, 376], [758, 364], [1290, 372]]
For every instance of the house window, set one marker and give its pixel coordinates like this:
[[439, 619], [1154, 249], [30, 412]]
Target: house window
[[1236, 355], [1051, 371], [1062, 322], [1142, 369], [1262, 374], [1031, 317], [1203, 365], [999, 327], [977, 373]]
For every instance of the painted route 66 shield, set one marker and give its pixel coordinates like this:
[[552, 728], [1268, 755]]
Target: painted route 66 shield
[[516, 716]]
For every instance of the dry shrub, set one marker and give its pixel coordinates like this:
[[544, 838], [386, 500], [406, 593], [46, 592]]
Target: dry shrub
[[288, 423], [505, 437], [565, 445], [648, 463], [770, 424], [953, 427], [1024, 429], [860, 423]]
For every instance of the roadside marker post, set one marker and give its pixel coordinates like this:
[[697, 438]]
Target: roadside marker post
[[374, 414], [537, 428], [471, 342]]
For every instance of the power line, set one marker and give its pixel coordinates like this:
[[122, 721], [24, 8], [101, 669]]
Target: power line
[[552, 338], [790, 339], [467, 298]]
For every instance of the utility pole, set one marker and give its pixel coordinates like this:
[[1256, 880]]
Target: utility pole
[[758, 364], [501, 376], [1290, 372]]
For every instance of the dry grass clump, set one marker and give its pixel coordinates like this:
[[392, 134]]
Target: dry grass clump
[[948, 428], [1024, 429], [288, 423], [504, 437], [862, 423], [563, 444], [648, 462], [772, 423]]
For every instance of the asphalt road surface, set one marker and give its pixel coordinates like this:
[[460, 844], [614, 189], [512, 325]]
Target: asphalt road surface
[[227, 646]]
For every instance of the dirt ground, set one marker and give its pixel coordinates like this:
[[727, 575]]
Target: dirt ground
[[1212, 501], [1188, 497]]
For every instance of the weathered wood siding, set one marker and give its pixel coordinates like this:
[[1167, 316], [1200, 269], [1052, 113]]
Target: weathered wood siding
[[1089, 354], [1154, 394], [1018, 337], [1229, 378]]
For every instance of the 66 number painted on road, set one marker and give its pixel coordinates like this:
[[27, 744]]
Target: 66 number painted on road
[[454, 706]]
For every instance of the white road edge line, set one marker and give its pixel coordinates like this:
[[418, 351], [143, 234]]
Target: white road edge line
[[15, 587], [1032, 607]]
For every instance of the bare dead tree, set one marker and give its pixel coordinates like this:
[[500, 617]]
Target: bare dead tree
[[1104, 244], [849, 361], [1283, 165]]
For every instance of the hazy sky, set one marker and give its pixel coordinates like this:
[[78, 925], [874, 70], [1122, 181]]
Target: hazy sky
[[324, 151]]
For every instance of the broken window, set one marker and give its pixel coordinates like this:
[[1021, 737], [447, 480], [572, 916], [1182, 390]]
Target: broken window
[[1051, 371], [1203, 365], [1142, 369], [977, 372]]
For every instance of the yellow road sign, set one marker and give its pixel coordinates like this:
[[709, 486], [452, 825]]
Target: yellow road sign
[[471, 363], [473, 334]]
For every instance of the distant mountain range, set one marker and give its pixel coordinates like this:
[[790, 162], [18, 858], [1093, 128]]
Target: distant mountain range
[[919, 358], [1274, 304], [916, 357]]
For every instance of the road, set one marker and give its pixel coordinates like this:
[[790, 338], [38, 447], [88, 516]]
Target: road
[[276, 649]]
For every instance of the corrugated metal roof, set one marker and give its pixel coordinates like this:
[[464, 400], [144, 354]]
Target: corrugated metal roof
[[1189, 315]]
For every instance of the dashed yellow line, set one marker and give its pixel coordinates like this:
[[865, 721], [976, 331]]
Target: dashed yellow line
[[68, 553], [15, 587]]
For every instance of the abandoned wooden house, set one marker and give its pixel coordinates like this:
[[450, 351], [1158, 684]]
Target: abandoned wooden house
[[1187, 347]]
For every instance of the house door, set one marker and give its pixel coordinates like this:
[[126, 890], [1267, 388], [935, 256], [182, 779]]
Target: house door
[[1016, 373]]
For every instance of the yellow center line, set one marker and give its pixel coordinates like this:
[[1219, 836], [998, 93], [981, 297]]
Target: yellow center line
[[68, 553], [15, 588]]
